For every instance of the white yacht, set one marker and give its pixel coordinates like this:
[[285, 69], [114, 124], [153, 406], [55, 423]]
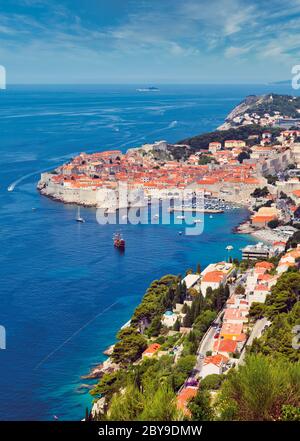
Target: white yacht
[[79, 218]]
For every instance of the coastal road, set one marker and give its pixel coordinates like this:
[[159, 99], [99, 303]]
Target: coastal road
[[241, 280], [207, 341], [206, 345], [256, 333]]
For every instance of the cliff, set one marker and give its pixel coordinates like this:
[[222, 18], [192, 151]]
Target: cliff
[[275, 106]]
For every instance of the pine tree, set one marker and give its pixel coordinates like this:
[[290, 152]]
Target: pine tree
[[176, 326], [138, 379], [161, 406], [184, 308], [188, 319], [226, 292], [183, 291], [177, 297], [200, 407]]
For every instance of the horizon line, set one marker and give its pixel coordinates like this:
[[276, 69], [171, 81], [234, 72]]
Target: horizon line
[[262, 83]]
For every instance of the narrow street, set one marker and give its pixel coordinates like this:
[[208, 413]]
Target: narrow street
[[256, 333], [207, 341]]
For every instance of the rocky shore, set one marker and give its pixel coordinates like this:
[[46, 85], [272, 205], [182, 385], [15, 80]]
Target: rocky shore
[[44, 191], [102, 368], [266, 235]]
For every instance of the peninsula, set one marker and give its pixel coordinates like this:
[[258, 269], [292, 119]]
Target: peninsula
[[227, 164]]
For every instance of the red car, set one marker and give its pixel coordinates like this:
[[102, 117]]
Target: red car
[[217, 335]]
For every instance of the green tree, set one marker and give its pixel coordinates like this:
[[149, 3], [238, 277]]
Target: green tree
[[290, 413], [200, 406], [259, 389], [273, 223], [242, 156], [257, 311], [155, 327], [126, 406], [184, 308], [188, 319], [240, 289], [212, 382], [129, 349], [260, 192], [109, 384], [176, 326], [161, 405], [284, 294], [277, 340], [183, 369]]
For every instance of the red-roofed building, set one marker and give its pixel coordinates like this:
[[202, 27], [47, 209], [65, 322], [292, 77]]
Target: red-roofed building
[[213, 364], [296, 193], [262, 267], [260, 293], [235, 315], [213, 147], [261, 221], [151, 350], [184, 397], [225, 347], [213, 280], [231, 330], [232, 143]]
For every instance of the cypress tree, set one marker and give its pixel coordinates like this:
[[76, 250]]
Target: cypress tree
[[188, 320], [184, 308], [176, 326], [226, 292], [183, 290]]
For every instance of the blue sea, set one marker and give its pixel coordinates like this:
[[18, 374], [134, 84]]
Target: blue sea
[[65, 291]]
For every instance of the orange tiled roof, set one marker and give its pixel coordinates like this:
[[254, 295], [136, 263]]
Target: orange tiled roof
[[232, 328], [235, 313], [225, 345], [213, 276], [264, 264], [152, 348], [262, 218], [217, 359], [261, 288], [184, 397]]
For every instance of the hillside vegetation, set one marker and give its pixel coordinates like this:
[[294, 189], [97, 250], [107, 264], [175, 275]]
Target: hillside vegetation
[[240, 133]]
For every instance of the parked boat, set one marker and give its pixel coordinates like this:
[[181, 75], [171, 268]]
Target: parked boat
[[79, 218], [119, 242]]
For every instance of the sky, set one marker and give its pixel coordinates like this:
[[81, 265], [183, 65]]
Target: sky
[[149, 41]]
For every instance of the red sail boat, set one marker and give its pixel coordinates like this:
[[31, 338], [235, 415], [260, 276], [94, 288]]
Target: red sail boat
[[119, 242]]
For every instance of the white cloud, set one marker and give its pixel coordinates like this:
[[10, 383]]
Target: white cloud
[[233, 51], [164, 31]]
